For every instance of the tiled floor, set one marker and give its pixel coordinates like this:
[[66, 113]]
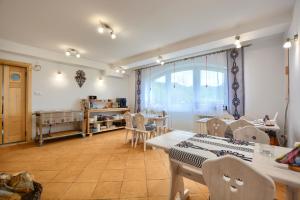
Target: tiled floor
[[98, 167]]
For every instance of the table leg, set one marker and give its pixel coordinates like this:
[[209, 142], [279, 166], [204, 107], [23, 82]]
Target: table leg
[[177, 185], [292, 193]]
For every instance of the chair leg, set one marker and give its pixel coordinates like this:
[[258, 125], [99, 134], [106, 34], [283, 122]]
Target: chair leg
[[126, 136], [145, 138], [137, 135], [133, 135]]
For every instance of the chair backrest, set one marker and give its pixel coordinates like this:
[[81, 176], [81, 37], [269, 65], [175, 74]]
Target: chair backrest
[[251, 134], [216, 127], [140, 121], [226, 116], [230, 178], [239, 124], [128, 119]]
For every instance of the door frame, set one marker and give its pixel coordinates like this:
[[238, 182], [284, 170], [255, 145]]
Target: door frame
[[28, 96]]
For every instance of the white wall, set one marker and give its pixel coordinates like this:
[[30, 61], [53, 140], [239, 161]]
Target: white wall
[[264, 79], [294, 106], [64, 93]]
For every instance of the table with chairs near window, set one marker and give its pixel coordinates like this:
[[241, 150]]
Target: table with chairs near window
[[226, 127], [232, 169], [144, 126]]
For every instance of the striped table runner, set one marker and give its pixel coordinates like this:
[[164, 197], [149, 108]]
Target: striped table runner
[[200, 147]]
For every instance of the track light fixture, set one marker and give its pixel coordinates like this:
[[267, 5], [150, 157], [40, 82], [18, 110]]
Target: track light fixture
[[159, 60], [288, 43], [120, 70], [103, 27], [237, 42], [72, 52]]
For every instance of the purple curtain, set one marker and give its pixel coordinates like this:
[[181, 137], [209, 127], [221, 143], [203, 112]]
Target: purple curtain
[[236, 95], [138, 74]]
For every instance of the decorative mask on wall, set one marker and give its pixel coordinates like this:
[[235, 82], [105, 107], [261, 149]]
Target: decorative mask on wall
[[80, 77]]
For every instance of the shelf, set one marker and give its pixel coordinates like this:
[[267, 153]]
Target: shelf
[[108, 129], [109, 110], [110, 120], [61, 134]]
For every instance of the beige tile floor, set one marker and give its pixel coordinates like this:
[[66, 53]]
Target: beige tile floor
[[98, 167]]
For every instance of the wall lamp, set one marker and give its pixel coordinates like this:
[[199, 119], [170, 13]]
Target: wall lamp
[[288, 43], [103, 27]]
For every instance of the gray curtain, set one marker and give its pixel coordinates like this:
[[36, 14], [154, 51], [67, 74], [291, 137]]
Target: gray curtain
[[236, 94], [138, 74]]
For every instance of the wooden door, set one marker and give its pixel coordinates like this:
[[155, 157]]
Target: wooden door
[[14, 105], [1, 105]]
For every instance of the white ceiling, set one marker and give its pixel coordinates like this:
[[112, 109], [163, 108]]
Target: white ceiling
[[141, 25]]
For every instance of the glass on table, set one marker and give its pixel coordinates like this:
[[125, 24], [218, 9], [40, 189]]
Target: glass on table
[[266, 150]]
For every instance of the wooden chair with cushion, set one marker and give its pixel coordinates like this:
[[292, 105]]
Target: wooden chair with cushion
[[143, 131], [129, 127], [216, 127], [239, 124], [230, 178], [251, 134]]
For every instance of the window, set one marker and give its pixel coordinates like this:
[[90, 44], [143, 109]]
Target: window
[[187, 88]]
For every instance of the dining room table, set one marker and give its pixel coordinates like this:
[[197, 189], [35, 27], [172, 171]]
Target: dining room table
[[187, 151], [201, 127]]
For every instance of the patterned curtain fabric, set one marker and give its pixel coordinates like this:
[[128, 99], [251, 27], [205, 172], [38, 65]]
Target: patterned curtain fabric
[[138, 78], [236, 95]]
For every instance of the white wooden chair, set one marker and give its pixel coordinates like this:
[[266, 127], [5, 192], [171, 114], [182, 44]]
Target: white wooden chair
[[239, 124], [251, 134], [162, 124], [129, 127], [230, 178], [141, 130], [216, 127]]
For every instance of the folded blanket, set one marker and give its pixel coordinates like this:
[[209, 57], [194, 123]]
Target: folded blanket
[[291, 158]]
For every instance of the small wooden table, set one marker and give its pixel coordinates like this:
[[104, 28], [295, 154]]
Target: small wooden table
[[266, 165]]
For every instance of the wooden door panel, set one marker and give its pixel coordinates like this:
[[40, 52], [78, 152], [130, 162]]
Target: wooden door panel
[[1, 96], [14, 104]]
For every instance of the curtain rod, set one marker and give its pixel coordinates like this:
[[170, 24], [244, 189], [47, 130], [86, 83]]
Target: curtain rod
[[192, 57]]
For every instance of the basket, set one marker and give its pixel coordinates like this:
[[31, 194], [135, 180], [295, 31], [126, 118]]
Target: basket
[[34, 195]]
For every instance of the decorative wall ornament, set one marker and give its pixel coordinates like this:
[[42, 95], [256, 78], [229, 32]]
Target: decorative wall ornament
[[138, 90], [236, 82], [80, 77]]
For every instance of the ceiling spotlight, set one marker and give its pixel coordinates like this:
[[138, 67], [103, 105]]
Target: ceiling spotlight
[[123, 71], [113, 35], [72, 52], [103, 27], [117, 70], [162, 62], [100, 28], [296, 38], [237, 42], [68, 53], [287, 44], [159, 60]]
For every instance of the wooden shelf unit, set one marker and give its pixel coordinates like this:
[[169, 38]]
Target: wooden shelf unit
[[51, 119], [88, 113]]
